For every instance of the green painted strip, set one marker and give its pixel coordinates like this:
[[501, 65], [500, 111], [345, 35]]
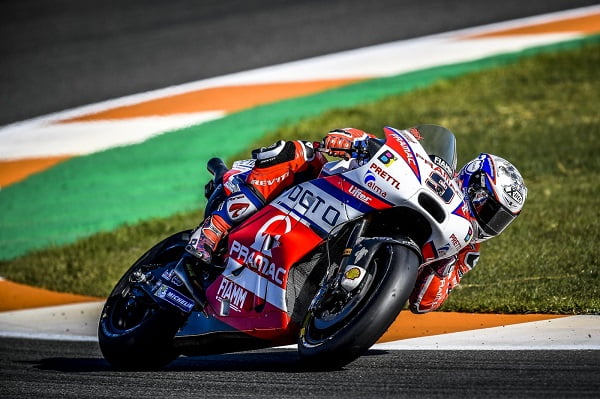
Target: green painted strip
[[166, 174]]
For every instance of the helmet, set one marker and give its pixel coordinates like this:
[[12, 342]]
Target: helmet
[[495, 192]]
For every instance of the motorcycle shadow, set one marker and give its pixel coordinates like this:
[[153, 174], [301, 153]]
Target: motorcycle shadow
[[273, 360]]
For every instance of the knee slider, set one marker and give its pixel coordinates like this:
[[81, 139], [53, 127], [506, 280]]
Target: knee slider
[[240, 205]]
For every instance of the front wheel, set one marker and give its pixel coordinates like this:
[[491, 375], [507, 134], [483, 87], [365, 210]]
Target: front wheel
[[342, 326], [134, 332]]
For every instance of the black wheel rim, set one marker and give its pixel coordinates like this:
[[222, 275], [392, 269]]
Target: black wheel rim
[[333, 313], [130, 311]]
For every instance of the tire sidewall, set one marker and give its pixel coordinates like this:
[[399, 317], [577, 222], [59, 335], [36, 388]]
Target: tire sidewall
[[372, 319]]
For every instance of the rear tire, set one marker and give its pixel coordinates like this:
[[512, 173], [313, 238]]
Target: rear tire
[[339, 331]]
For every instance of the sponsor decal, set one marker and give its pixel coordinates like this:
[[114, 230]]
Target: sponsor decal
[[442, 164], [314, 205], [407, 154], [352, 273], [387, 158], [174, 298], [433, 166], [384, 175], [370, 181], [235, 294], [415, 132], [267, 236], [172, 277], [270, 182], [360, 194], [236, 210], [484, 163], [237, 205], [514, 192], [455, 242], [257, 261], [360, 254], [469, 235]]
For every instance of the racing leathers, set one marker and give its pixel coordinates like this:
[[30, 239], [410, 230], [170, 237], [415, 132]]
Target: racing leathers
[[251, 184], [435, 280]]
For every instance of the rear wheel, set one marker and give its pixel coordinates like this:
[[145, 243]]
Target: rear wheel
[[342, 325], [134, 332]]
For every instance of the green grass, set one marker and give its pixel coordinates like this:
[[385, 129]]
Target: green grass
[[541, 113]]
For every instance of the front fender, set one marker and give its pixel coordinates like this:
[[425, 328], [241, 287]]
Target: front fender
[[365, 249]]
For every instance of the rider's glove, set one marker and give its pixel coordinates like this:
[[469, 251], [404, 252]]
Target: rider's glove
[[338, 141]]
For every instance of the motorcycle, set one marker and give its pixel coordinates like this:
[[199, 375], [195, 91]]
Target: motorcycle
[[328, 265]]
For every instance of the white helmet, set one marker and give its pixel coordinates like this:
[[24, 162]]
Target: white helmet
[[495, 192]]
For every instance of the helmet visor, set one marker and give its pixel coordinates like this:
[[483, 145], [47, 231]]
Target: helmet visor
[[492, 216]]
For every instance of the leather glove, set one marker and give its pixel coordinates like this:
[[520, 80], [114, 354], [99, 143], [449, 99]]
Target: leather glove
[[339, 140]]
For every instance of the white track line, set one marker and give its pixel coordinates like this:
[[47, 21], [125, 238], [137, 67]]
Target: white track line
[[79, 322], [567, 333]]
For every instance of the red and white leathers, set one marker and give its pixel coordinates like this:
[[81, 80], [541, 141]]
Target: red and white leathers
[[436, 280], [271, 170], [249, 188]]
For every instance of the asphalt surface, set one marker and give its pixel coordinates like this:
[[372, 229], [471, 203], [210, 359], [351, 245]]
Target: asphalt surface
[[65, 53], [76, 369]]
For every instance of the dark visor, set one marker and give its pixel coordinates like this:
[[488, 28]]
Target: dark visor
[[492, 216]]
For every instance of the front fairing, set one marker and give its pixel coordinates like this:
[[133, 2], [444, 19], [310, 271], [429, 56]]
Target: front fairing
[[402, 173]]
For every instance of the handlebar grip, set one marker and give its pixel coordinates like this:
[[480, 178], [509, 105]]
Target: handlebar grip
[[217, 168]]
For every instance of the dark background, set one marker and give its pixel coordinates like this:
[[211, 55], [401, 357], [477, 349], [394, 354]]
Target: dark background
[[57, 54]]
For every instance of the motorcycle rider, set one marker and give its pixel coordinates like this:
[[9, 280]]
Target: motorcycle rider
[[495, 193], [250, 185], [492, 187]]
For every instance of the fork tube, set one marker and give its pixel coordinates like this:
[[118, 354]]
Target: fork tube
[[359, 228]]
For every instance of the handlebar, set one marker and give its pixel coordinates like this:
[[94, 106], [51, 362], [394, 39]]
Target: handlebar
[[358, 149]]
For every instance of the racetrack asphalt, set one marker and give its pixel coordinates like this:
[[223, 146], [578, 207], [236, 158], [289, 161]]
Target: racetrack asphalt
[[53, 369]]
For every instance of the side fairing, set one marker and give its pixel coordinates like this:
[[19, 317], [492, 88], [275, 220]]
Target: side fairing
[[407, 176]]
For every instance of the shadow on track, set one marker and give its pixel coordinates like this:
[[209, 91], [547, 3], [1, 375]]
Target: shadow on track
[[275, 360]]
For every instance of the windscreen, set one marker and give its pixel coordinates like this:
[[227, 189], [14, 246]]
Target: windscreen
[[440, 144]]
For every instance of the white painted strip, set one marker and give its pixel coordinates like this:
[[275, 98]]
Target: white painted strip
[[73, 322], [49, 337], [80, 138], [568, 333], [79, 322]]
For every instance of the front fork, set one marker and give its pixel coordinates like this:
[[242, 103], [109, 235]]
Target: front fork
[[344, 278]]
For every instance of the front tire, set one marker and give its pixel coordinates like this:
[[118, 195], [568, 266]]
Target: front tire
[[134, 332], [340, 329]]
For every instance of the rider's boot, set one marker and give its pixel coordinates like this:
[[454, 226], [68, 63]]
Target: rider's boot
[[206, 238], [198, 256]]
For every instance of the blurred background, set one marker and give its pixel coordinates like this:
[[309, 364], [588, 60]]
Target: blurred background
[[65, 53]]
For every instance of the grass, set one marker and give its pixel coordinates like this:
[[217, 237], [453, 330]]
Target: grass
[[541, 113]]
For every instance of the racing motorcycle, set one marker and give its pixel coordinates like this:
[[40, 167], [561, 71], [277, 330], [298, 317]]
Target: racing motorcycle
[[328, 265]]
